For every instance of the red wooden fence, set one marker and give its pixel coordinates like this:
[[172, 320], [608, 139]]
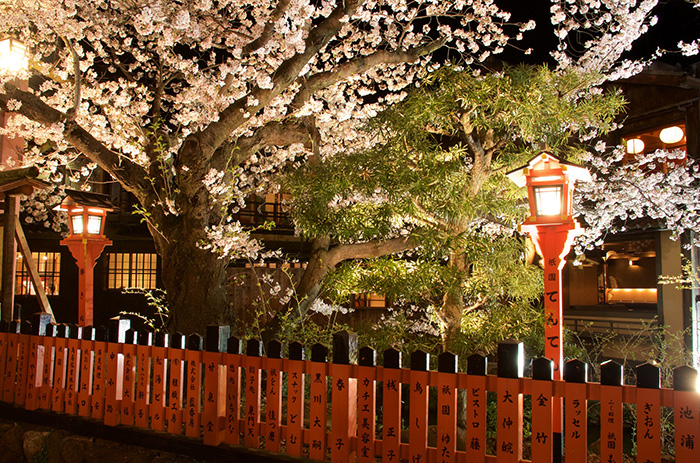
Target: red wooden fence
[[338, 411]]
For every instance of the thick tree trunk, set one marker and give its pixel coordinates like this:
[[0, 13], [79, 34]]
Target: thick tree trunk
[[195, 281], [453, 304]]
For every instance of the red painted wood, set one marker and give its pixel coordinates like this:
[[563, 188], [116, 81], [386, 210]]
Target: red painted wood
[[175, 392], [233, 399], [418, 416], [126, 407], [143, 386], [295, 406], [366, 413], [22, 368], [273, 399], [8, 390], [447, 418], [58, 390], [611, 423], [193, 411], [343, 413], [575, 428], [47, 375], [253, 371], [72, 376], [476, 419], [317, 409], [3, 359], [687, 425], [35, 370], [648, 424], [214, 397], [391, 415], [509, 421], [114, 381], [86, 372], [160, 389], [98, 383], [542, 421]]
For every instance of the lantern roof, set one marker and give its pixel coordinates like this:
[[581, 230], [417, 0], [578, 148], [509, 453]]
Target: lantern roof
[[547, 161], [86, 199], [21, 181]]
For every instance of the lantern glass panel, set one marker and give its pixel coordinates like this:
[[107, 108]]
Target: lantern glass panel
[[548, 200], [94, 224], [77, 221]]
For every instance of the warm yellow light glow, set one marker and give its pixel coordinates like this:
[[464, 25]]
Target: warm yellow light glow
[[635, 145], [77, 221], [13, 56], [548, 200], [671, 134], [94, 224]]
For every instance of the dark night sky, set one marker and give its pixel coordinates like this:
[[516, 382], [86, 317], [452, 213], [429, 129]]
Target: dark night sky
[[677, 20]]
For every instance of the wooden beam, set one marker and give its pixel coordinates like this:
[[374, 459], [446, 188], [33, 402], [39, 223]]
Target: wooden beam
[[33, 272], [9, 252]]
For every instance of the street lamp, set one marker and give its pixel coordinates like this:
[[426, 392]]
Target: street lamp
[[13, 56], [550, 185], [86, 213]]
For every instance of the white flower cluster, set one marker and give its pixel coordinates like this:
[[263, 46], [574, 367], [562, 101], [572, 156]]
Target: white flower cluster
[[231, 240], [662, 186], [323, 308]]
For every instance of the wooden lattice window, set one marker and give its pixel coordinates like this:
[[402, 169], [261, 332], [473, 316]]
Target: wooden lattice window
[[49, 268], [131, 270]]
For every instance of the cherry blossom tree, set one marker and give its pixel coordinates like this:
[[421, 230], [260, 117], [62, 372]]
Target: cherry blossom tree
[[194, 105]]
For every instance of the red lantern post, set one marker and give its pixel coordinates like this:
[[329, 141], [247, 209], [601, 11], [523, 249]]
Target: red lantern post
[[86, 214], [550, 186]]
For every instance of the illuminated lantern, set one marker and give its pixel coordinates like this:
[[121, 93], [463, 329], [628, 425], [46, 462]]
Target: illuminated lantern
[[86, 214]]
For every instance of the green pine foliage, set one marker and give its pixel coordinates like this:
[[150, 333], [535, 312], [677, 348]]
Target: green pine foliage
[[437, 177]]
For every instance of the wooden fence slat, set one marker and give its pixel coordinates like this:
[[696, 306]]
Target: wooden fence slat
[[611, 419], [542, 392], [318, 406], [575, 412], [418, 413], [49, 342], [60, 369], [22, 364], [686, 402], [99, 376], [476, 408], [253, 368], [114, 370], [273, 399], [447, 408], [214, 384], [193, 393], [391, 405], [367, 405], [233, 361], [143, 379], [8, 390], [343, 413], [126, 404], [649, 413], [160, 381], [73, 370], [214, 397], [176, 356], [4, 328], [84, 399], [509, 402], [35, 370], [295, 400]]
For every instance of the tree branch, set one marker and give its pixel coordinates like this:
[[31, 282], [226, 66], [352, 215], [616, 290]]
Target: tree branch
[[130, 175], [260, 42], [272, 134], [234, 115], [357, 66]]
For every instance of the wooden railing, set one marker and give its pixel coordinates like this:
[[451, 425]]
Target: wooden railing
[[341, 410]]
